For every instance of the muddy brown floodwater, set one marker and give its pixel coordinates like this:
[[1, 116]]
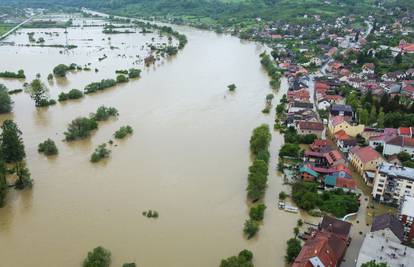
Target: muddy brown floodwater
[[188, 157]]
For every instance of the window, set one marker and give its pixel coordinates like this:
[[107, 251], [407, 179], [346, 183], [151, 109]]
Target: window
[[380, 185], [379, 190]]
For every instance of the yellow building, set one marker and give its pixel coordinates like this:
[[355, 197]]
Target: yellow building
[[338, 123], [364, 159]]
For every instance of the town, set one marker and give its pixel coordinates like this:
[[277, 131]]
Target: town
[[348, 126]]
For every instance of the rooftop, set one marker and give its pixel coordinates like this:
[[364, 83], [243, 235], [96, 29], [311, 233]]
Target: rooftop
[[309, 125], [401, 141], [387, 221], [407, 206], [365, 154], [377, 247], [397, 171], [344, 108]]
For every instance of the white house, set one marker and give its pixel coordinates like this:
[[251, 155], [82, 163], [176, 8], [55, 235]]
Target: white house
[[399, 144]]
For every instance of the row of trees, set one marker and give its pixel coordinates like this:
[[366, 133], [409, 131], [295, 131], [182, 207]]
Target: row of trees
[[271, 69], [14, 75], [257, 178]]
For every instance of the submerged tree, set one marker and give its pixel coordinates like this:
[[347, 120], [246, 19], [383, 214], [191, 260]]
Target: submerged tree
[[39, 93], [5, 100], [99, 257], [23, 176], [12, 147]]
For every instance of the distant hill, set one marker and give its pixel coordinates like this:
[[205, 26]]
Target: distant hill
[[225, 10]]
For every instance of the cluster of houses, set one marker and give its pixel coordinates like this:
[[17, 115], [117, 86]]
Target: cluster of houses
[[326, 245], [328, 162]]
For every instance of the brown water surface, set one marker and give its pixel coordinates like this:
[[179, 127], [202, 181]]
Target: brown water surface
[[188, 157]]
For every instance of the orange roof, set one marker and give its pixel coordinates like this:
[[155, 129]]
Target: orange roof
[[345, 183], [341, 135]]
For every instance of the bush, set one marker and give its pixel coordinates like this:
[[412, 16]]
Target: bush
[[5, 100], [98, 86], [99, 257], [122, 72], [80, 128], [48, 148], [132, 264], [232, 87], [103, 113], [266, 110], [282, 195], [289, 150], [293, 249], [101, 152], [50, 77], [257, 212], [123, 132], [134, 73], [121, 78], [244, 259], [72, 94], [250, 228], [60, 70]]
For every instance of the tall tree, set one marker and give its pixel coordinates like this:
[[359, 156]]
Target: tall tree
[[398, 59], [11, 146], [38, 91], [381, 119], [5, 100]]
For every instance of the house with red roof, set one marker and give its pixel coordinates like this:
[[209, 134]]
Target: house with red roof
[[407, 48], [364, 159], [326, 246], [337, 123], [406, 131]]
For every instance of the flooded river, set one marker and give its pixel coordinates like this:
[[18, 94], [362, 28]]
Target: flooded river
[[188, 157]]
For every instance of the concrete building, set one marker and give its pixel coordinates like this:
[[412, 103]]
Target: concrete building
[[392, 183], [380, 248], [406, 217]]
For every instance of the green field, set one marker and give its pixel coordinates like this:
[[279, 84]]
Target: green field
[[5, 28]]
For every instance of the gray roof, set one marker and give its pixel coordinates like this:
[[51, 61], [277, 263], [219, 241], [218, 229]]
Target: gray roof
[[381, 249], [344, 108], [396, 171], [385, 221]]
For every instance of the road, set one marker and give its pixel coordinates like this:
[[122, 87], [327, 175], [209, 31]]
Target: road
[[15, 28]]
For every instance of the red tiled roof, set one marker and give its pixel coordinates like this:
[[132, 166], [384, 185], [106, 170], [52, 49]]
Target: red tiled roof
[[318, 246], [345, 183], [407, 47], [401, 141], [341, 135], [405, 130], [365, 154]]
